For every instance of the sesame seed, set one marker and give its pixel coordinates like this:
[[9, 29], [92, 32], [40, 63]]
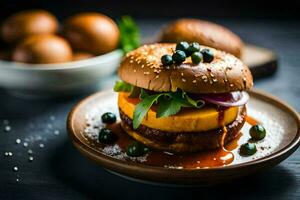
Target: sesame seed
[[146, 73], [212, 75], [143, 66], [131, 61], [134, 70], [183, 80], [210, 82], [194, 81], [215, 80], [231, 85], [181, 74], [205, 80], [204, 77]]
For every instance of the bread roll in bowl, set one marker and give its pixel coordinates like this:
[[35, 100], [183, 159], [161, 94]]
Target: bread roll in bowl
[[91, 32], [43, 49], [26, 23]]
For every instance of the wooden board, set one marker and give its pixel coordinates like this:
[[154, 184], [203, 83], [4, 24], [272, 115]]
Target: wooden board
[[261, 61]]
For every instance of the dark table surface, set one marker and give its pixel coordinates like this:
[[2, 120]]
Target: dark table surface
[[59, 171]]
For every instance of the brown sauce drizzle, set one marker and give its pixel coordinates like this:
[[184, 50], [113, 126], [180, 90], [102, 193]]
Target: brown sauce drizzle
[[205, 159], [251, 120]]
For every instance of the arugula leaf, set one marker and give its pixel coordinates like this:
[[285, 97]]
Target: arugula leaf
[[167, 107], [142, 109], [169, 103], [121, 86], [129, 34], [143, 94]]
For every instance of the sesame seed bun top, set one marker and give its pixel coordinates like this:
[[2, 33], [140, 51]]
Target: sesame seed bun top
[[143, 68], [203, 32]]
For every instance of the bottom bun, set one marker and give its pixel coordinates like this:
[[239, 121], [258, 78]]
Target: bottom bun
[[183, 141]]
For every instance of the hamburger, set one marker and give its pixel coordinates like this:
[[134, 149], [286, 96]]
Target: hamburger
[[182, 97], [205, 33]]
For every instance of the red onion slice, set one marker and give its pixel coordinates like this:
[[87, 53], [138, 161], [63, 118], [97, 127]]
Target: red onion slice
[[227, 99]]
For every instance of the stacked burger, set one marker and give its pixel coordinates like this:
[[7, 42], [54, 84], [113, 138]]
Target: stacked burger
[[180, 98]]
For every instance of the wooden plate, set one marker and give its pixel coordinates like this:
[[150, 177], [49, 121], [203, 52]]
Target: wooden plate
[[283, 138], [261, 61]]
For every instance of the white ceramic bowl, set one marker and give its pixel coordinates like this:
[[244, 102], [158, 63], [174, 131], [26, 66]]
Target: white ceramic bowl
[[59, 78]]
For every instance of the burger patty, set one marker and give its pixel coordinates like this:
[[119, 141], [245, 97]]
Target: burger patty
[[183, 141]]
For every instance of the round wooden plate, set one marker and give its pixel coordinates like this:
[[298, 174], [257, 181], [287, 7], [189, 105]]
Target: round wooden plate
[[280, 120]]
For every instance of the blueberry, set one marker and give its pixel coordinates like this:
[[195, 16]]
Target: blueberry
[[197, 57], [257, 132], [248, 149], [136, 149], [106, 136], [208, 55], [109, 118], [179, 56], [183, 46], [166, 60], [193, 47]]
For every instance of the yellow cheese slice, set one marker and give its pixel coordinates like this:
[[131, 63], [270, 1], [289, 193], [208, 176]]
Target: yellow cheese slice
[[187, 120]]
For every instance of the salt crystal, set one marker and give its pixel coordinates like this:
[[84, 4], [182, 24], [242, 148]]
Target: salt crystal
[[52, 117], [56, 132], [25, 144], [30, 158], [7, 128], [29, 151], [10, 153], [15, 169], [18, 141], [42, 145]]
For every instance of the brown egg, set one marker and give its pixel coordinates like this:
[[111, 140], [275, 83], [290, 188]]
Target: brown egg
[[43, 49], [82, 55], [22, 24], [92, 32]]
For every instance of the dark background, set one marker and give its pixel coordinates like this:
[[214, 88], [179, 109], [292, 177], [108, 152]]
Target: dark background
[[59, 171], [164, 8]]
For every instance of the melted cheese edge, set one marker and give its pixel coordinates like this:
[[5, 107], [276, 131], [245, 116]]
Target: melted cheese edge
[[188, 120]]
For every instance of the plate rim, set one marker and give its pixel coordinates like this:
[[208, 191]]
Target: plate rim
[[105, 160]]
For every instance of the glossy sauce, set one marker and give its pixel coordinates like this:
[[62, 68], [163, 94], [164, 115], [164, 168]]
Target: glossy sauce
[[212, 158], [251, 120], [205, 159]]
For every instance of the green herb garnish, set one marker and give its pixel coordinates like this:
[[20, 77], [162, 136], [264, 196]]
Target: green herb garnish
[[121, 86], [169, 103], [129, 34]]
